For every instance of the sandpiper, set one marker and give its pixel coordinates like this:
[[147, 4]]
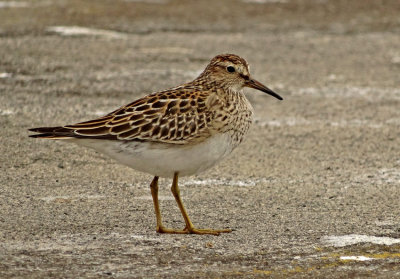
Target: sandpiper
[[176, 132]]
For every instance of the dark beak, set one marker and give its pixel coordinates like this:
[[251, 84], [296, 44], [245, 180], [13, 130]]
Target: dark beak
[[252, 83]]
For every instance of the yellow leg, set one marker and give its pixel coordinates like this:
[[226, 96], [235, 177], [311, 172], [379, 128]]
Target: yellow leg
[[189, 226], [154, 193]]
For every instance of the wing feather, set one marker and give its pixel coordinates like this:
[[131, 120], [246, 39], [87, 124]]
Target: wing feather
[[176, 116]]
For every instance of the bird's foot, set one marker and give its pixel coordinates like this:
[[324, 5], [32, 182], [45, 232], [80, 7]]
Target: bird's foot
[[193, 230], [208, 231]]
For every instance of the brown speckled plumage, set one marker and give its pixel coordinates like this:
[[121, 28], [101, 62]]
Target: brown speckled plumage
[[181, 115], [179, 131]]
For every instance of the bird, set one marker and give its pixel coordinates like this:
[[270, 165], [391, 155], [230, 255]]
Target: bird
[[176, 132]]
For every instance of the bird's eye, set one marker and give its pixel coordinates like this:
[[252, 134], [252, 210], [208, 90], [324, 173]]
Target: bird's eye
[[230, 69]]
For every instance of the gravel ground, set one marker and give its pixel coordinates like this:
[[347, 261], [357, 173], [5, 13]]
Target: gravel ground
[[312, 192]]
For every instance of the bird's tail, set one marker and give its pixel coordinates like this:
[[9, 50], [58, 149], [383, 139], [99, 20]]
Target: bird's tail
[[52, 133]]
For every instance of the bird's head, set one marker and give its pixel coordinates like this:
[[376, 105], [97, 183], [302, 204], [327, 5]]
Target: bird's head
[[232, 71]]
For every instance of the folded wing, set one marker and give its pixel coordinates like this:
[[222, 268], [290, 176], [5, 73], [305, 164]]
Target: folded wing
[[171, 117]]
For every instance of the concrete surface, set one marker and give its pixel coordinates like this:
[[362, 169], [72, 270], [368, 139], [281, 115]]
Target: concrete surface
[[312, 193]]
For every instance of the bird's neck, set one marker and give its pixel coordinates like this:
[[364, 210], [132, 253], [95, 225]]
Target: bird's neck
[[218, 85]]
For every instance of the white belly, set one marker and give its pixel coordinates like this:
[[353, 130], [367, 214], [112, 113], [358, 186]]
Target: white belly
[[165, 159]]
